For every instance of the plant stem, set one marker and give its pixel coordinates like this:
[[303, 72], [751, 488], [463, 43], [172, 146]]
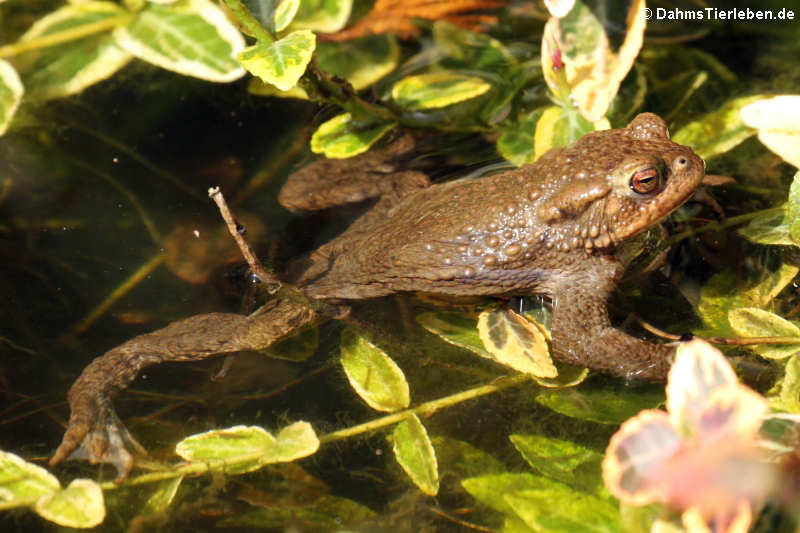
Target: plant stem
[[71, 34], [141, 273], [728, 222], [247, 19], [425, 409]]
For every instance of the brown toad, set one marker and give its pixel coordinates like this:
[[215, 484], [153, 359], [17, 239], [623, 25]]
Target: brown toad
[[550, 228]]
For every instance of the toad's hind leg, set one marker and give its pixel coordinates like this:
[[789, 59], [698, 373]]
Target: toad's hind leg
[[95, 433]]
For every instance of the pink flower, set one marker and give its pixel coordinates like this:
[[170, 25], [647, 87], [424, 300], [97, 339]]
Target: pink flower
[[702, 457]]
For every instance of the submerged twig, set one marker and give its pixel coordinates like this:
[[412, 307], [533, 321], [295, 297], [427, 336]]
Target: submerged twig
[[273, 284], [237, 231]]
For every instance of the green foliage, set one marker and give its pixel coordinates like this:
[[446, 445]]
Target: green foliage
[[68, 69], [717, 132], [755, 322], [11, 91], [372, 374], [324, 16], [280, 63], [80, 505], [724, 292], [342, 137], [242, 449], [192, 37], [413, 450], [605, 406], [437, 89]]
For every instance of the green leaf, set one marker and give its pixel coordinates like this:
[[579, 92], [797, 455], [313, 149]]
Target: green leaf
[[362, 61], [516, 143], [790, 388], [793, 209], [21, 480], [80, 505], [192, 37], [776, 120], [464, 459], [586, 54], [605, 406], [162, 497], [324, 16], [555, 458], [282, 62], [454, 328], [437, 89], [414, 451], [372, 374], [755, 322], [723, 292], [717, 132], [340, 137], [260, 88], [11, 92], [490, 489], [70, 67], [285, 12], [242, 449], [768, 228], [462, 330], [558, 126], [474, 49], [559, 509], [275, 15], [516, 342]]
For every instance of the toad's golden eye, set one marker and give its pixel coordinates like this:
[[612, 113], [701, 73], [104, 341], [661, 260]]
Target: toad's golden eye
[[646, 180]]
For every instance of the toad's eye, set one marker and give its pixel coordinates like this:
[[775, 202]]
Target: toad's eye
[[646, 180]]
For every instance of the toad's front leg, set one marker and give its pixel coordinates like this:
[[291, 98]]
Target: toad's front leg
[[583, 335], [95, 433]]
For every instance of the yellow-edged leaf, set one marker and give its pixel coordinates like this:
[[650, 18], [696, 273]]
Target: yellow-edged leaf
[[372, 374], [413, 450], [516, 342]]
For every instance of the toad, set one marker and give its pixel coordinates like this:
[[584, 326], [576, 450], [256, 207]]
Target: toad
[[552, 228]]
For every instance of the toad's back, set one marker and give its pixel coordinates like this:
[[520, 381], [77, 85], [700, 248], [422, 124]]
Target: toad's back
[[517, 232]]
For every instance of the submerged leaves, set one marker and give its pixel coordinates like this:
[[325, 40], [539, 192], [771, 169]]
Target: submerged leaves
[[372, 374], [242, 449], [516, 342], [80, 505], [413, 450]]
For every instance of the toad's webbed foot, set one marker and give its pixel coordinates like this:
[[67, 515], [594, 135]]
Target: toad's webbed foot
[[103, 439], [95, 433]]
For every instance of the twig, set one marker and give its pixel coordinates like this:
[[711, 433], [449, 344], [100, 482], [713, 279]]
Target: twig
[[750, 341], [728, 341], [237, 231]]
